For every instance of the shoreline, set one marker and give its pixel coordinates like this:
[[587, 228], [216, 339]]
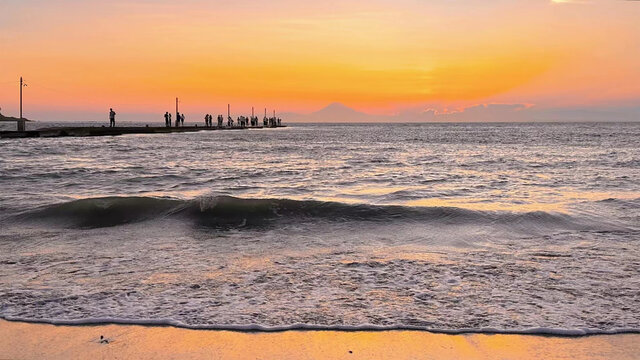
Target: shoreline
[[24, 340], [256, 328]]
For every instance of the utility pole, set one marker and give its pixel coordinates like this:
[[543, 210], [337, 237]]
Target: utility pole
[[21, 122], [177, 108], [228, 110], [21, 84], [252, 115]]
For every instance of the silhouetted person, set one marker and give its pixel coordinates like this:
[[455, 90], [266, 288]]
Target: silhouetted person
[[112, 118], [177, 119], [166, 119], [169, 123], [220, 120], [181, 119]]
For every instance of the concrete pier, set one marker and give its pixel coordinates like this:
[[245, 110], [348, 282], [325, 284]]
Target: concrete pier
[[112, 131]]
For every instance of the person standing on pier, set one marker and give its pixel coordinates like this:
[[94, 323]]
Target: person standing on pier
[[181, 119], [177, 119], [166, 119], [112, 118], [169, 123]]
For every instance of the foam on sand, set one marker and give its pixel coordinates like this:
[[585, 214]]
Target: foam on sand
[[576, 332]]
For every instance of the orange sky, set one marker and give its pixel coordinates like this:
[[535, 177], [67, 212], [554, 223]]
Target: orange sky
[[82, 57]]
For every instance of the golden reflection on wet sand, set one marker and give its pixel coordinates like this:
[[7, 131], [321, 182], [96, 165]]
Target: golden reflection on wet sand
[[38, 341]]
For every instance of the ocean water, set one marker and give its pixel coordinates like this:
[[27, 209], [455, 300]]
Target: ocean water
[[446, 227]]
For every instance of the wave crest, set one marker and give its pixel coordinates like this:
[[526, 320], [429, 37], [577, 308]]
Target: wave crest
[[103, 212], [221, 211]]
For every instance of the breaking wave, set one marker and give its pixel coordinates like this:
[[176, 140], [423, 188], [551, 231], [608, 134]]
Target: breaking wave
[[227, 211]]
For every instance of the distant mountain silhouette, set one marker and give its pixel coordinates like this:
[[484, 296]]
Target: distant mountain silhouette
[[334, 112], [337, 108], [491, 112], [9, 118]]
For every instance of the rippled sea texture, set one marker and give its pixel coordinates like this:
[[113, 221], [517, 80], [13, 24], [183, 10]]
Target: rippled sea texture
[[439, 226]]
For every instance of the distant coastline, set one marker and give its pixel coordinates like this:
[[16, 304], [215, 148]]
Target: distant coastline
[[10, 118]]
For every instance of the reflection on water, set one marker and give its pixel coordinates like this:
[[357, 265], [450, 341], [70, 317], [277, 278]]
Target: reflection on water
[[487, 167], [437, 226]]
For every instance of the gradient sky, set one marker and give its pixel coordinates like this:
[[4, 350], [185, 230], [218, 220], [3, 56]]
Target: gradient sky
[[379, 56]]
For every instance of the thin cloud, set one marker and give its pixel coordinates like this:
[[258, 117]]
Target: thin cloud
[[581, 1]]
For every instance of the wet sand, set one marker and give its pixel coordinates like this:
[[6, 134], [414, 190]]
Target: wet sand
[[39, 341]]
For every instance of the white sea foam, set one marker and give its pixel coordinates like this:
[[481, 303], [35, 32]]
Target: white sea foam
[[308, 327]]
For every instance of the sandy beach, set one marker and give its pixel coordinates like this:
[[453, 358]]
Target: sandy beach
[[42, 341]]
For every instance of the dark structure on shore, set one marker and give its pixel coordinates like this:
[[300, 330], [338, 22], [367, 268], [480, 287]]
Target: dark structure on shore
[[113, 130], [242, 123], [20, 122]]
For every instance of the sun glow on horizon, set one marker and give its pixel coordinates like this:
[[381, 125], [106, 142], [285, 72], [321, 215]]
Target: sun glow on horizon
[[138, 56]]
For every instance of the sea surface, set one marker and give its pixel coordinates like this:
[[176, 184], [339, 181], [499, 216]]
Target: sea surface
[[445, 227]]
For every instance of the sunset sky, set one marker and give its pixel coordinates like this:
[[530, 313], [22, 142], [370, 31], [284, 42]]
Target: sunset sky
[[379, 56]]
